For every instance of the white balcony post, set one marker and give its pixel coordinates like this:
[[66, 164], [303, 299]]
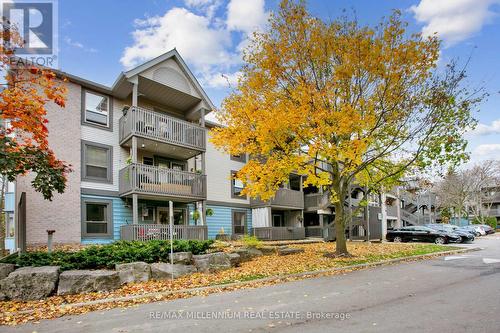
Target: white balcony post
[[135, 93], [383, 213], [135, 209], [203, 214], [133, 154]]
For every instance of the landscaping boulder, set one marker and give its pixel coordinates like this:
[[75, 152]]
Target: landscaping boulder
[[248, 253], [134, 272], [163, 271], [234, 259], [83, 281], [267, 250], [6, 269], [212, 262], [184, 258], [283, 251], [30, 283]]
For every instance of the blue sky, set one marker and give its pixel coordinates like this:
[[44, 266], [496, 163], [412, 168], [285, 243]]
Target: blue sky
[[99, 39]]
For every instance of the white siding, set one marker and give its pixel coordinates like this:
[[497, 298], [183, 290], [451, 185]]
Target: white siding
[[218, 170], [260, 217], [106, 137], [171, 74]]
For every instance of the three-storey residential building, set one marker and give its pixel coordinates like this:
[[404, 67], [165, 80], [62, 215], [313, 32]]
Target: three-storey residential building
[[141, 147], [134, 147]]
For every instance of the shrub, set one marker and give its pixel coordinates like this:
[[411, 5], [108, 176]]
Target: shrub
[[490, 220], [251, 241], [106, 256]]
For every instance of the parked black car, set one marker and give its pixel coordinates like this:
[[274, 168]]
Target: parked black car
[[421, 234], [465, 236]]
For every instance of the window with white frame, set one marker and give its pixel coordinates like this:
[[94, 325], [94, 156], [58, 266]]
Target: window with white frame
[[97, 109], [236, 187]]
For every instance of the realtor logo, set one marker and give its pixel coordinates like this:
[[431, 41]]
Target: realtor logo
[[35, 21]]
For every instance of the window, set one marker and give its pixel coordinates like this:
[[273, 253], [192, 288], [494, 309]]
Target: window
[[96, 109], [239, 158], [239, 222], [148, 214], [294, 183], [277, 220], [97, 162], [10, 226], [236, 187], [97, 220], [147, 160]]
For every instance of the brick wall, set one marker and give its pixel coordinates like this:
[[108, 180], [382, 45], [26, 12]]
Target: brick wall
[[62, 214]]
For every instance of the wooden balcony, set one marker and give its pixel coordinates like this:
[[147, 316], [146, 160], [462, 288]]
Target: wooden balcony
[[159, 127], [316, 201], [325, 232], [279, 233], [158, 181], [146, 232], [284, 198]]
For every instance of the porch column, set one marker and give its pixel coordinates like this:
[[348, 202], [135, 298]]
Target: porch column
[[133, 150], [135, 93], [203, 214], [399, 223], [383, 212], [367, 212], [321, 220], [133, 155], [270, 216], [135, 209]]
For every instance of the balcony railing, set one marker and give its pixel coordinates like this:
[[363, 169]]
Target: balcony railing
[[148, 179], [315, 201], [284, 198], [279, 233], [161, 127], [145, 232]]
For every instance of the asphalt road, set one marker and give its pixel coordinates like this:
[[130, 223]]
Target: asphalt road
[[459, 293]]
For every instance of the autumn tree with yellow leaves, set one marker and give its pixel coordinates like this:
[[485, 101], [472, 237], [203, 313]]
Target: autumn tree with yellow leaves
[[341, 103]]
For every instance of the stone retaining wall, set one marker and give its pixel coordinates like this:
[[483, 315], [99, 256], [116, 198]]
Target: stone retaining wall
[[35, 283]]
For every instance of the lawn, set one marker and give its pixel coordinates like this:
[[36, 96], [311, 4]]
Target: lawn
[[312, 259]]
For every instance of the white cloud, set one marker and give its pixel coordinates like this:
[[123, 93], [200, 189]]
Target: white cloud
[[205, 41], [221, 80], [208, 7], [487, 151], [485, 129], [192, 35], [245, 15], [453, 20], [79, 45]]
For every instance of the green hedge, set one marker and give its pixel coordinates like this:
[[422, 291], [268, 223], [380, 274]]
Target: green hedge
[[106, 256]]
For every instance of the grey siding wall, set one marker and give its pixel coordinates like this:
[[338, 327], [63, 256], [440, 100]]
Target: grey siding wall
[[62, 214]]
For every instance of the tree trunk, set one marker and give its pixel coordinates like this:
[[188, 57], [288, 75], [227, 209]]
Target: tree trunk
[[340, 189], [340, 243]]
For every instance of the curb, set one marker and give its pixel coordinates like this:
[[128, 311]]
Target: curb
[[267, 279]]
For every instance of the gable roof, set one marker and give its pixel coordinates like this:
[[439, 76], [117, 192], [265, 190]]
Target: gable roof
[[122, 78], [122, 83]]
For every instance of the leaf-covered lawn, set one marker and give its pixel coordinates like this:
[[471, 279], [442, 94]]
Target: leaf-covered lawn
[[313, 259]]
